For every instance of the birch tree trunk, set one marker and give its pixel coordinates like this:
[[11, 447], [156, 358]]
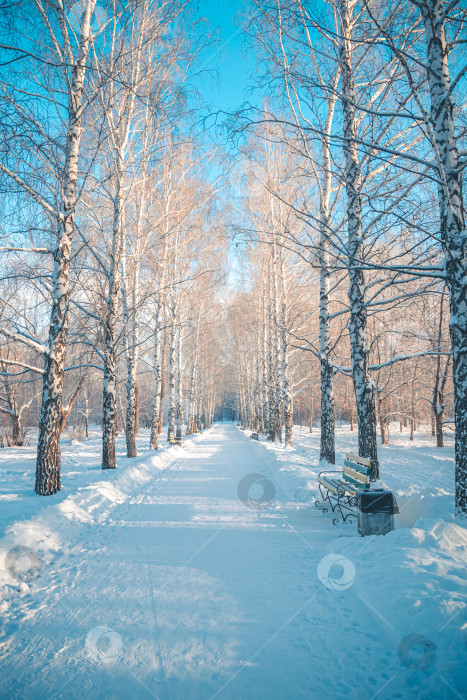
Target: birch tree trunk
[[277, 350], [86, 412], [288, 411], [109, 417], [199, 397], [156, 406], [162, 383], [171, 373], [12, 412], [364, 389], [48, 446], [243, 391], [271, 365], [179, 396], [453, 233], [131, 344], [119, 110], [159, 351], [327, 439], [109, 410], [196, 397], [131, 411], [264, 361], [259, 427], [211, 410], [327, 436], [190, 427], [439, 417], [380, 417]]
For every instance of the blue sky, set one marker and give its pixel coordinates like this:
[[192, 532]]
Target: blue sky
[[227, 90], [226, 86]]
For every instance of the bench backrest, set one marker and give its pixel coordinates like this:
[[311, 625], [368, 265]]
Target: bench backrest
[[357, 470]]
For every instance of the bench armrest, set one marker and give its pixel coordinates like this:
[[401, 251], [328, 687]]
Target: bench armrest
[[331, 471]]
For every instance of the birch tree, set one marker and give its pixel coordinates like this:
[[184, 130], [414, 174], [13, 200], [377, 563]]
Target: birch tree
[[64, 44], [430, 45]]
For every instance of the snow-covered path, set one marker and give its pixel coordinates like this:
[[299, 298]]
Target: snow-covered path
[[187, 591]]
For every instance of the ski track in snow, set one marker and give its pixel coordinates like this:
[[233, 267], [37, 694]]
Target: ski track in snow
[[159, 582]]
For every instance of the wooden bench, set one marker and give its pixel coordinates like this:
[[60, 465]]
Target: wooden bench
[[339, 488]]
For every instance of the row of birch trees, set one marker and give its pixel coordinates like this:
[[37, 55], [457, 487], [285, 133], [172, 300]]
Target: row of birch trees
[[366, 100], [277, 322], [112, 243]]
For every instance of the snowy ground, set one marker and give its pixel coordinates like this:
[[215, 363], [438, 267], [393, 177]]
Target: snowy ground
[[164, 580]]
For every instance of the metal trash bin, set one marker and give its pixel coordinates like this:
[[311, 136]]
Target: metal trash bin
[[376, 511]]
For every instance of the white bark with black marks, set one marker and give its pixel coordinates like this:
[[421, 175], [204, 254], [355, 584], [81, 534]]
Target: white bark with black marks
[[109, 407], [287, 396], [172, 373], [364, 388], [179, 385], [48, 445], [277, 416], [453, 233]]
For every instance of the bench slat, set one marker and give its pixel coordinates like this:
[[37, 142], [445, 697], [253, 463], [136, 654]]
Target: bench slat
[[329, 483], [358, 467], [364, 461], [351, 480], [348, 487], [355, 475], [335, 484], [357, 484]]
